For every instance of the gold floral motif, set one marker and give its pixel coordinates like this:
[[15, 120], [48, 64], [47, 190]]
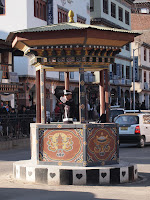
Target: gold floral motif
[[60, 163], [42, 108], [60, 143], [82, 106], [82, 119], [82, 82], [84, 163], [102, 163], [42, 83], [101, 144]]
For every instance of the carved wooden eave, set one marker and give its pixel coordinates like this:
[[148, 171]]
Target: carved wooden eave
[[71, 58], [67, 46]]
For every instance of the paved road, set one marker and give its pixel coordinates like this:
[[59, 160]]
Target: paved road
[[16, 190]]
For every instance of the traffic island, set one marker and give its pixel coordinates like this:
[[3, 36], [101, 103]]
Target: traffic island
[[75, 154], [67, 175]]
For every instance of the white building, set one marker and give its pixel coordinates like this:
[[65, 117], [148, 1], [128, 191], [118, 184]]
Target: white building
[[141, 47], [116, 14], [23, 14]]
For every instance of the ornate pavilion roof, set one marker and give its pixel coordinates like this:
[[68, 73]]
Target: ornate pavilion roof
[[66, 46]]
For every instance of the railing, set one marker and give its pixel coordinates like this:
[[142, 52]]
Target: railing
[[13, 126], [10, 87]]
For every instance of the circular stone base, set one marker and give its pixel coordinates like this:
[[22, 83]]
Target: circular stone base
[[66, 175]]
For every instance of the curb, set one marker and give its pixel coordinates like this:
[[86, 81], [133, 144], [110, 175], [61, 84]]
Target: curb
[[59, 175]]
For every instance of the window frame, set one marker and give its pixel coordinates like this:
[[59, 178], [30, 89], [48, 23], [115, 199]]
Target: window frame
[[128, 47], [113, 14], [120, 17], [91, 5], [40, 10], [127, 17], [71, 75], [62, 15], [105, 6], [144, 76], [3, 8], [145, 56], [61, 74], [127, 72], [4, 64], [81, 20]]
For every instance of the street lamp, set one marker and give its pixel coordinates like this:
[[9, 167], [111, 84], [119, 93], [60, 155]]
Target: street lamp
[[134, 78]]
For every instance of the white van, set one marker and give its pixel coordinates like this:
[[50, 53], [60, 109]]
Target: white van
[[134, 128]]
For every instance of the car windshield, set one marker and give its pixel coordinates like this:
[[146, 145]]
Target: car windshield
[[114, 113], [127, 120]]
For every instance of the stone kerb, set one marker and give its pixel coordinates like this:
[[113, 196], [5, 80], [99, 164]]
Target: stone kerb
[[61, 175]]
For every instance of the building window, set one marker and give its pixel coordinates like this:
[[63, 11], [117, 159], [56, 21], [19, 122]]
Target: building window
[[127, 72], [40, 9], [145, 54], [114, 69], [120, 14], [4, 64], [81, 20], [128, 47], [113, 10], [149, 55], [71, 75], [61, 76], [105, 6], [149, 79], [2, 7], [144, 76], [122, 71], [127, 17], [91, 5], [62, 15]]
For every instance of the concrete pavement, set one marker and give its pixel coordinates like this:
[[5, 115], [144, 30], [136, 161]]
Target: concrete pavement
[[15, 190]]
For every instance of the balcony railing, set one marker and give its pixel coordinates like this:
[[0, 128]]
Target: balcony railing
[[10, 87]]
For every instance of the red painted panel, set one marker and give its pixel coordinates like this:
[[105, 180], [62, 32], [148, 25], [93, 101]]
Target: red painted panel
[[61, 145], [101, 145]]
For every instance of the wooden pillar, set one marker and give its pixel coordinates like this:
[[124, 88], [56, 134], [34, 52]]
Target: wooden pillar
[[81, 96], [42, 88], [102, 93], [107, 94], [45, 93], [38, 100], [66, 80]]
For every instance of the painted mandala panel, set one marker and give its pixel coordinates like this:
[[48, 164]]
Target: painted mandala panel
[[61, 145], [101, 144]]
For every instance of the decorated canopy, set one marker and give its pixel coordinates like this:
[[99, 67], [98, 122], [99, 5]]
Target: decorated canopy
[[67, 46]]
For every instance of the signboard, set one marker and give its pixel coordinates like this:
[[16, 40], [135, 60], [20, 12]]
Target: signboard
[[13, 76], [136, 68], [49, 12]]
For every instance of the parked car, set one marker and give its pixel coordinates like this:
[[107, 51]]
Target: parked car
[[134, 128], [115, 112]]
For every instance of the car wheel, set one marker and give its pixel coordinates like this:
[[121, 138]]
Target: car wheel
[[141, 142]]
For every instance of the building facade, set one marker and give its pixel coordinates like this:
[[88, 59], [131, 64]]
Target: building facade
[[17, 15], [141, 46], [116, 14]]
